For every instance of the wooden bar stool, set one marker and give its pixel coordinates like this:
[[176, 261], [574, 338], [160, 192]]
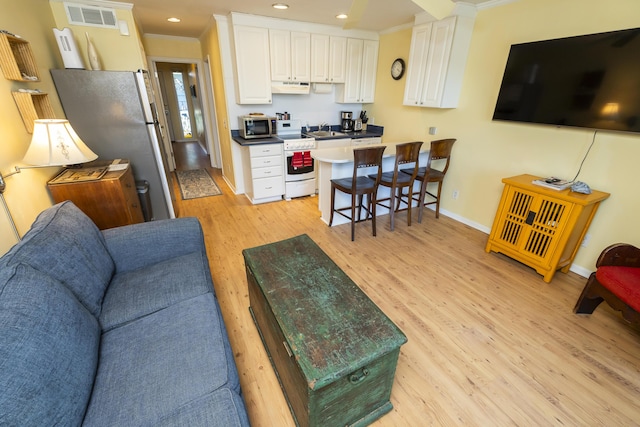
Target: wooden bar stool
[[358, 186], [405, 153], [440, 150]]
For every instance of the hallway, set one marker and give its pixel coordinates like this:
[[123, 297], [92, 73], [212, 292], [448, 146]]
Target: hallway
[[190, 155]]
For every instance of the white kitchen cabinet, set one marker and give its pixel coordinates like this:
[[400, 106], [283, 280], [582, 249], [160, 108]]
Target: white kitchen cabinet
[[361, 67], [328, 58], [437, 59], [263, 172], [253, 65], [290, 55]]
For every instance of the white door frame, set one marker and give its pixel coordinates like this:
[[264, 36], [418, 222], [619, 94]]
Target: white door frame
[[211, 129]]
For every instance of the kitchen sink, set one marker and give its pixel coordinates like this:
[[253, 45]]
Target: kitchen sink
[[324, 133]]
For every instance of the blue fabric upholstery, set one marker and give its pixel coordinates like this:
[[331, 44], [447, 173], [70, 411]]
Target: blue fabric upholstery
[[113, 328], [180, 344], [136, 293], [48, 350], [65, 244]]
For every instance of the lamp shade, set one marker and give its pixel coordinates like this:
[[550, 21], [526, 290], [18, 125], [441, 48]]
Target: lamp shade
[[55, 143]]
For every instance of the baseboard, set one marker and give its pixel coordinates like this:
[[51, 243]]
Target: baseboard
[[578, 269]]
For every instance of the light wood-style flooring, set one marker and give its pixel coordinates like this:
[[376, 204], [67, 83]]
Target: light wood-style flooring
[[490, 343]]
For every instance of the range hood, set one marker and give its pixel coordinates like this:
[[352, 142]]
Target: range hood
[[293, 88]]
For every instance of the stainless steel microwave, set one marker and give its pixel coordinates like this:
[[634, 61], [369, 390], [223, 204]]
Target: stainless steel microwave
[[254, 126]]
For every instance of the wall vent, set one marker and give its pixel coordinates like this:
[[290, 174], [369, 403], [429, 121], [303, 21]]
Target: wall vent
[[91, 16]]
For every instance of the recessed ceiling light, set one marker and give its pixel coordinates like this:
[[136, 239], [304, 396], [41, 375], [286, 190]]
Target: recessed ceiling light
[[280, 6], [342, 16], [173, 19]]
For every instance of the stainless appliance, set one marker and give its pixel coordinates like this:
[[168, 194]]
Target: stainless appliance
[[347, 121], [299, 167], [115, 115], [254, 126]]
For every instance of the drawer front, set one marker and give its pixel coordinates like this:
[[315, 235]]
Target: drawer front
[[268, 187], [266, 172], [265, 150], [261, 162]]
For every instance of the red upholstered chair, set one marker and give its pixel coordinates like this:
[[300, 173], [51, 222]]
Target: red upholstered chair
[[616, 281]]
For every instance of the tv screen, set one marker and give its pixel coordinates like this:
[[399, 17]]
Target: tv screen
[[590, 81]]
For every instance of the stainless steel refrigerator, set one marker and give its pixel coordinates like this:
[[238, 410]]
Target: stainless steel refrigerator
[[114, 113]]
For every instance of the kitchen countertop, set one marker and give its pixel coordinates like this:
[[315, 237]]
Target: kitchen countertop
[[372, 131]]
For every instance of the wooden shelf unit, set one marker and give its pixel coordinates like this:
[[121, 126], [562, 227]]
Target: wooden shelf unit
[[33, 106], [16, 58], [540, 227]]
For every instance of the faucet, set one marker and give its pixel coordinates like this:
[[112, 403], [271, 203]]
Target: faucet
[[321, 125]]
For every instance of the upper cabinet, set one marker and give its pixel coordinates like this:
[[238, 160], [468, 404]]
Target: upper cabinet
[[290, 56], [253, 65], [328, 58], [436, 62], [362, 62]]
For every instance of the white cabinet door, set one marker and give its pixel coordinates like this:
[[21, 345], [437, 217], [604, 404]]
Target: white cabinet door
[[320, 47], [300, 56], [417, 64], [253, 65], [290, 55], [337, 59], [360, 82], [437, 59], [369, 69], [280, 51]]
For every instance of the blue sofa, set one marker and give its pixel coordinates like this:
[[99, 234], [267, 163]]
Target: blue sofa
[[113, 328]]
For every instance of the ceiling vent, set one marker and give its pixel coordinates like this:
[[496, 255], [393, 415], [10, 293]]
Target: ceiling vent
[[92, 16]]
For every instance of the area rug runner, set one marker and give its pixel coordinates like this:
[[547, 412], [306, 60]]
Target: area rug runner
[[197, 183]]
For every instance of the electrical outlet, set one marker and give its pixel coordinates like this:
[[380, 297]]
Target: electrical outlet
[[433, 130], [455, 194], [585, 241]]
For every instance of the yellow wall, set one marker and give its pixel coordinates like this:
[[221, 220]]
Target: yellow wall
[[487, 151], [171, 47], [116, 52], [211, 48], [26, 192]]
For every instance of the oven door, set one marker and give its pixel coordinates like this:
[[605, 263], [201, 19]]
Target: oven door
[[297, 169]]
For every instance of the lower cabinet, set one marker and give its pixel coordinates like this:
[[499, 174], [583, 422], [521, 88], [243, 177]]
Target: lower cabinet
[[540, 227], [111, 201], [263, 172]]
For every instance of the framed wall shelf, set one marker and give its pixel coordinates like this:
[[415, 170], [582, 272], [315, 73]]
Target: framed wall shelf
[[17, 59], [33, 106]]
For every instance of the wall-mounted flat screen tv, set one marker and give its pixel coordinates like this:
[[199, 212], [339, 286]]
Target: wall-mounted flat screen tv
[[590, 81]]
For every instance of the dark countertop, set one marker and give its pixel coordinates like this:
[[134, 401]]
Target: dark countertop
[[372, 131]]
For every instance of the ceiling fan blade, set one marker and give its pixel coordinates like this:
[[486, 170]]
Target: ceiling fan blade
[[355, 13], [439, 9]]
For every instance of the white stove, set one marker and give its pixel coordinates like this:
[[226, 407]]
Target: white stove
[[299, 167]]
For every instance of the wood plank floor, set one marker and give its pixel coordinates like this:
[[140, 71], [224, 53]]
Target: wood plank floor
[[490, 343]]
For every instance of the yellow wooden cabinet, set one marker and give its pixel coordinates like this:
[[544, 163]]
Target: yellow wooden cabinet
[[540, 227]]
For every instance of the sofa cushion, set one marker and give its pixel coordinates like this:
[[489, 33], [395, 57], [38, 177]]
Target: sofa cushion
[[48, 350], [152, 366], [624, 282], [222, 408], [64, 243], [137, 293]]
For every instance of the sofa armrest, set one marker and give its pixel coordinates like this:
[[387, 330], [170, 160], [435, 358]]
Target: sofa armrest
[[138, 245], [620, 254]]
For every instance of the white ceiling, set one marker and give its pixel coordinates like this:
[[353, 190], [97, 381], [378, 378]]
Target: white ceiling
[[196, 14]]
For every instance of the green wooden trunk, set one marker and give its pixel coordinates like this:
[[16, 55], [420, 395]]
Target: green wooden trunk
[[334, 351]]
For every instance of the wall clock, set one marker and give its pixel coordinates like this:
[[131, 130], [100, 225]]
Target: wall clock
[[397, 69]]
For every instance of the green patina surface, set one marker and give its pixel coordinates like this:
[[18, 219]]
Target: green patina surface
[[330, 325]]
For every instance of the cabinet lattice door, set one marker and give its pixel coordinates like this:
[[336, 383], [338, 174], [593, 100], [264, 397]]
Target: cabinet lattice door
[[539, 227], [531, 222]]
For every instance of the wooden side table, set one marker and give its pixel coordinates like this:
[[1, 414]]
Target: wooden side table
[[110, 201], [540, 227]]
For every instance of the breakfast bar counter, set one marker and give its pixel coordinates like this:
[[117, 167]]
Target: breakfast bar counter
[[335, 163]]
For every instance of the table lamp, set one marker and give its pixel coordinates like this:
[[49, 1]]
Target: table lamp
[[54, 143]]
